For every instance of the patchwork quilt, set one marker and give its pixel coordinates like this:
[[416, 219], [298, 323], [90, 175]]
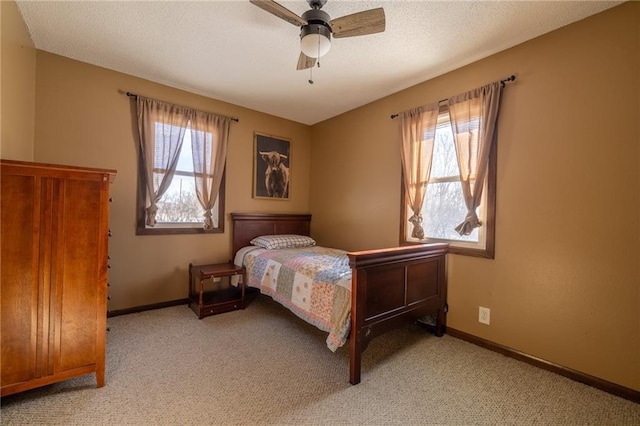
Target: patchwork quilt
[[313, 282]]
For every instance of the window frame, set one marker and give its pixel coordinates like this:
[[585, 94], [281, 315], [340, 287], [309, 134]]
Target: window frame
[[167, 229], [488, 251]]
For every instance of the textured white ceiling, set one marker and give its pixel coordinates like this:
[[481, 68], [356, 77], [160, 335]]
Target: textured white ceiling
[[235, 52]]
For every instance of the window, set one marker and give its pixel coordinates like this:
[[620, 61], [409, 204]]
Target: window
[[444, 206], [179, 206], [182, 169]]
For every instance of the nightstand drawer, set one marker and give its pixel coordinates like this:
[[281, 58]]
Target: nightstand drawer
[[215, 308]]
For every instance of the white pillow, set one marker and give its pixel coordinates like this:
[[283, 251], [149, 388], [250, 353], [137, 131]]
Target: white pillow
[[283, 241]]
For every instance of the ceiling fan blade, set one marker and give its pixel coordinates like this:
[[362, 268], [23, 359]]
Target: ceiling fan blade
[[280, 11], [357, 24], [305, 62]]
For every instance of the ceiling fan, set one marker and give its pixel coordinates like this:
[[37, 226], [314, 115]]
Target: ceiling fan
[[316, 27]]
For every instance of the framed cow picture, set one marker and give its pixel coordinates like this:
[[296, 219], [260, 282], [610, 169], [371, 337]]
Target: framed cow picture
[[271, 167]]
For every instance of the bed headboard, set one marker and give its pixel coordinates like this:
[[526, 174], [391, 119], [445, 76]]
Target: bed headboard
[[247, 226]]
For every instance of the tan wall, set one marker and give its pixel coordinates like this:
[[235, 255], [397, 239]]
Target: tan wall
[[18, 80], [565, 283], [83, 118]]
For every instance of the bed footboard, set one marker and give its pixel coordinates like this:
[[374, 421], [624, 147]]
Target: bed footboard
[[391, 287]]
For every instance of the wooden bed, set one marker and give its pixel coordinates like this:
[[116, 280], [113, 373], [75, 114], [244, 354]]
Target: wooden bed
[[390, 287]]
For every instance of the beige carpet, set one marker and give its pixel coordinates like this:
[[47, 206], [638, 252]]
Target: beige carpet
[[265, 366]]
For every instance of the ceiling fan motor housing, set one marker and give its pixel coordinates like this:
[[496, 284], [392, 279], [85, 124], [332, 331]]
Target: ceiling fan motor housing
[[316, 17]]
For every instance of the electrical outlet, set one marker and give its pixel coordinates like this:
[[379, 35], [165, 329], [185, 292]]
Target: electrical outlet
[[484, 315]]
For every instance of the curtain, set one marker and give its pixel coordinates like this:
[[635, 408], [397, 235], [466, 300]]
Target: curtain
[[161, 127], [474, 118], [209, 140], [418, 135]]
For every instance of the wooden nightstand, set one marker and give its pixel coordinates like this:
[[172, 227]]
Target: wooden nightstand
[[219, 296]]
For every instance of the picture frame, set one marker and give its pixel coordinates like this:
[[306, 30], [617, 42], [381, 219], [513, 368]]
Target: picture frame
[[271, 166]]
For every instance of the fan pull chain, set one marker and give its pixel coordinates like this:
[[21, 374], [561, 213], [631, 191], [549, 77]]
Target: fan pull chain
[[318, 61], [318, 48]]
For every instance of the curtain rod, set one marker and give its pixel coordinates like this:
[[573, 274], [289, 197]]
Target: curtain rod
[[133, 95], [502, 82]]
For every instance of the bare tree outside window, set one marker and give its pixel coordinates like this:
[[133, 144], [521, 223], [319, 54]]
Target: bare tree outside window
[[444, 205], [179, 206]]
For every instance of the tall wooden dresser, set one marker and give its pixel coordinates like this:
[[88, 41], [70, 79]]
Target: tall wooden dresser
[[53, 267]]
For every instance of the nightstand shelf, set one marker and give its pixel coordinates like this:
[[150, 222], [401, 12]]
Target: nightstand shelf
[[217, 295]]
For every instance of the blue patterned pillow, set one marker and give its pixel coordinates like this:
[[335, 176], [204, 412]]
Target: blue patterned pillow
[[283, 241]]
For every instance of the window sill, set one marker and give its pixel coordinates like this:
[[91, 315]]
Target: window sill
[[177, 231], [485, 253]]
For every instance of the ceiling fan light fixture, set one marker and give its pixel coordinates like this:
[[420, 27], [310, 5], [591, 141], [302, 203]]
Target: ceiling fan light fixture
[[315, 40]]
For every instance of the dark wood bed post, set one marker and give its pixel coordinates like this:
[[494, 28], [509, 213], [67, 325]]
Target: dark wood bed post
[[355, 337]]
